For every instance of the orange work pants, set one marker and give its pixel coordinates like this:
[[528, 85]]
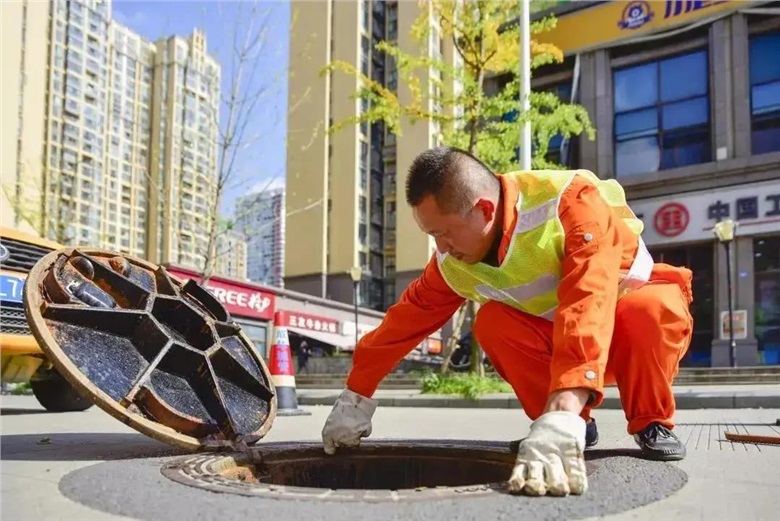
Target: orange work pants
[[652, 333]]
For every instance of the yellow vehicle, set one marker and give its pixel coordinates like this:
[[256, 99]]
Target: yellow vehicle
[[21, 358]]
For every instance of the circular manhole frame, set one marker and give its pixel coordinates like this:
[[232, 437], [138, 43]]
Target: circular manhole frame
[[224, 472]]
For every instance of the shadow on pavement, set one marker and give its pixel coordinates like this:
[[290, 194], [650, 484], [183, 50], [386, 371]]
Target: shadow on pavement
[[15, 411], [82, 446]]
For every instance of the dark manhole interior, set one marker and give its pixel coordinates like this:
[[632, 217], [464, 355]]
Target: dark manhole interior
[[391, 468]]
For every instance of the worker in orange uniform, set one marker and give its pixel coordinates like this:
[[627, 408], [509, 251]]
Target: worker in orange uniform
[[570, 298]]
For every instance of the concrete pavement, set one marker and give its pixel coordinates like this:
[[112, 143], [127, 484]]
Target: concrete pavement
[[687, 397], [726, 480]]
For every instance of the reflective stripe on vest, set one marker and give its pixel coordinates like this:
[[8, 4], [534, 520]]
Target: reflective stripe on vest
[[530, 273]]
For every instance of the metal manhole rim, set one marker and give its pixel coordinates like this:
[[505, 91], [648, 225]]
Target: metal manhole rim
[[189, 471]]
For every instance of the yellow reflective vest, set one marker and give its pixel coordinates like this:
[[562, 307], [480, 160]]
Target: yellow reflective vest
[[530, 273]]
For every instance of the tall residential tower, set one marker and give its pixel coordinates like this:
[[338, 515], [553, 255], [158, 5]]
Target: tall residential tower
[[356, 175], [113, 142]]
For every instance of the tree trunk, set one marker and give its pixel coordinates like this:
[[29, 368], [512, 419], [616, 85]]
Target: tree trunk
[[477, 367], [452, 343]]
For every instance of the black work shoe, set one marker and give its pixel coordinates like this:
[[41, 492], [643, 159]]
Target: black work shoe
[[659, 443], [591, 434], [591, 437]]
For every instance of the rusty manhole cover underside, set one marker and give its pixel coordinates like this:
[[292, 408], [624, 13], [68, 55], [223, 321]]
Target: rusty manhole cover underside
[[375, 472], [163, 357]]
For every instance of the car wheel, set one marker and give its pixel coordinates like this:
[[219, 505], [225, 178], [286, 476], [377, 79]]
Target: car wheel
[[55, 394]]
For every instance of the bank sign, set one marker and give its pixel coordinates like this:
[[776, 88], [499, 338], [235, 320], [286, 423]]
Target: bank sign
[[239, 299], [691, 217], [610, 22]]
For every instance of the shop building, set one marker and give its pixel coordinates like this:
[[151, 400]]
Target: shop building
[[685, 97], [327, 326]]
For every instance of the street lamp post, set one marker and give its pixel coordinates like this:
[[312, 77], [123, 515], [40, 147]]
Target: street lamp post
[[724, 231], [525, 83], [356, 273]]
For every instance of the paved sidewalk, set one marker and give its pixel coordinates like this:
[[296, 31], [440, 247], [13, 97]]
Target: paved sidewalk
[[687, 397], [41, 452]]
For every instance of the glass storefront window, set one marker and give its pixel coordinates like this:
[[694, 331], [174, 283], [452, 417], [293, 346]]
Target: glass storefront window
[[700, 260], [258, 335], [766, 268]]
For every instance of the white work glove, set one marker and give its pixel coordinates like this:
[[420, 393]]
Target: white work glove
[[349, 421], [551, 459]]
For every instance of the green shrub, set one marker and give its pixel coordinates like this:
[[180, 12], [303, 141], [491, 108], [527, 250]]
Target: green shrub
[[468, 385]]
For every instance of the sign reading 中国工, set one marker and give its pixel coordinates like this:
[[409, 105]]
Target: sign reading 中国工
[[691, 217]]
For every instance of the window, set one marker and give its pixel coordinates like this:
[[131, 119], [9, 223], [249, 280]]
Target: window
[[765, 92], [700, 260], [366, 14], [392, 22], [365, 55], [363, 165], [362, 209], [662, 114]]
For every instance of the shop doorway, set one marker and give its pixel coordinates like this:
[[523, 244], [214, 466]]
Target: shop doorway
[[766, 265], [258, 335], [700, 259]]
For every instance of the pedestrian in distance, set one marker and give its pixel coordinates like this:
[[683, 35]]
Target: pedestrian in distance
[[303, 356], [571, 301]]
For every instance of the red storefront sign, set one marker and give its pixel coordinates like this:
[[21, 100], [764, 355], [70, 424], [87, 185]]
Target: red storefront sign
[[310, 322], [671, 219], [239, 299]]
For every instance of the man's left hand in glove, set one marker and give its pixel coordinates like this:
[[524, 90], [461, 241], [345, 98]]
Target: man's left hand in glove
[[552, 458]]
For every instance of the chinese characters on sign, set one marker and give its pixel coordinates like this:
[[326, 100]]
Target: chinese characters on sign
[[671, 219], [746, 208], [311, 322]]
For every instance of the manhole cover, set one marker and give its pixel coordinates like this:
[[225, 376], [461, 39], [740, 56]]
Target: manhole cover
[[374, 472], [163, 357]]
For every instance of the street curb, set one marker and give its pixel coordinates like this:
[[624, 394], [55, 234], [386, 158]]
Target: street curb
[[683, 401]]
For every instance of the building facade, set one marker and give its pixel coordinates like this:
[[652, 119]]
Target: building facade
[[113, 140], [327, 326], [686, 100], [231, 255], [184, 140], [260, 217], [351, 182]]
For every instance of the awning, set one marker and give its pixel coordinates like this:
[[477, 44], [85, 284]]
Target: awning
[[333, 339]]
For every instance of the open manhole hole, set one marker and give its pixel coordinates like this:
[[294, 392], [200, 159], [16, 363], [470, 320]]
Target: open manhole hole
[[374, 472]]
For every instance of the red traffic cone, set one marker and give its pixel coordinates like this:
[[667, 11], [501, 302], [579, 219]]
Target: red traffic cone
[[282, 371]]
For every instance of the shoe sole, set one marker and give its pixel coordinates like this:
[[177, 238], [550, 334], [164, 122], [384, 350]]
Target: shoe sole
[[662, 457]]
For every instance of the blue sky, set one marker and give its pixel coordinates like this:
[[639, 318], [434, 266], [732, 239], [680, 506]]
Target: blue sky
[[263, 163]]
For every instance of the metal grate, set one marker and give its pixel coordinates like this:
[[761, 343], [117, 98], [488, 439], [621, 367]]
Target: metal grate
[[13, 320], [22, 255], [712, 436]]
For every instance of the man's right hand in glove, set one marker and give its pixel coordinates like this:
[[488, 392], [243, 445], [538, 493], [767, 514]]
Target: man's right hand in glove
[[348, 422]]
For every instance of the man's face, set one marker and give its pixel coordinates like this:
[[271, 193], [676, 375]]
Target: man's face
[[467, 237]]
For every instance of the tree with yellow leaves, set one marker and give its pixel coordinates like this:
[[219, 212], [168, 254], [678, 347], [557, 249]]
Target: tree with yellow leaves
[[485, 36], [486, 40]]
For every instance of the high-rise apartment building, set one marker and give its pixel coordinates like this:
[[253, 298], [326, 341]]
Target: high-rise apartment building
[[231, 258], [128, 176], [114, 139], [261, 218], [184, 149], [23, 83], [357, 173]]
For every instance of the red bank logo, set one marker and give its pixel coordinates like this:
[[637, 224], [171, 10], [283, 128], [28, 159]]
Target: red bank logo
[[671, 219]]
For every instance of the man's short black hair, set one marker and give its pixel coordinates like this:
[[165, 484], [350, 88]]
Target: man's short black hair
[[453, 176]]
